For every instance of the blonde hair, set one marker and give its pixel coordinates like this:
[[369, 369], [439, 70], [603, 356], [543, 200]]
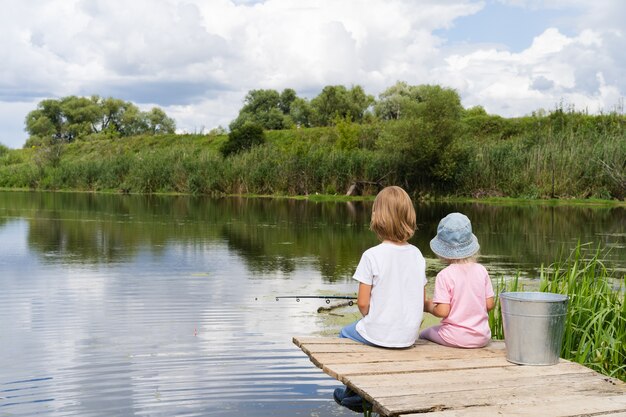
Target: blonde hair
[[393, 215]]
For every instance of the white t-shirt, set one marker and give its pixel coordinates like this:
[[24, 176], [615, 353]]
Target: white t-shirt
[[397, 274]]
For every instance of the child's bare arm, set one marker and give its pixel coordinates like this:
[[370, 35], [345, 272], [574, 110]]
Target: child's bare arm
[[363, 298], [491, 303], [439, 310]]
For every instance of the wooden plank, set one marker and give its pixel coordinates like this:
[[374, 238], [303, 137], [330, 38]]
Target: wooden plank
[[424, 346], [434, 384], [433, 379], [567, 386], [300, 340], [333, 342], [568, 407], [464, 375], [388, 355], [342, 370], [442, 395], [428, 348]]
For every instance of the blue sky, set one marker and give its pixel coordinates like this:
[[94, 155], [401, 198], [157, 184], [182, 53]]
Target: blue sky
[[509, 26], [197, 59]]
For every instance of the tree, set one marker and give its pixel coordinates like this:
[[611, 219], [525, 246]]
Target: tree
[[422, 144], [81, 116], [287, 97], [70, 118], [113, 110], [157, 122], [301, 112], [131, 121], [243, 138], [475, 111], [257, 109], [266, 108], [46, 120], [398, 101], [441, 109], [431, 102], [360, 103], [337, 101]]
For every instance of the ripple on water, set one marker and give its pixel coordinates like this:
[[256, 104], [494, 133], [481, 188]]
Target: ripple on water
[[156, 357]]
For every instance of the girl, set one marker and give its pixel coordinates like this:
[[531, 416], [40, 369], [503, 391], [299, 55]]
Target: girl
[[463, 291], [391, 279]]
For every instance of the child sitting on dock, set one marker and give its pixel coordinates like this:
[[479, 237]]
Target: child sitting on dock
[[463, 291], [391, 276]]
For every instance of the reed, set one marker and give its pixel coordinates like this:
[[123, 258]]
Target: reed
[[595, 328], [495, 315], [547, 162]]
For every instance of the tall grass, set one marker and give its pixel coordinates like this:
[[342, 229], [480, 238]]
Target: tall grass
[[595, 327], [542, 163], [564, 154], [495, 315]]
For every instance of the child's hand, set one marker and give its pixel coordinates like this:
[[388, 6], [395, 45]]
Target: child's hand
[[428, 306]]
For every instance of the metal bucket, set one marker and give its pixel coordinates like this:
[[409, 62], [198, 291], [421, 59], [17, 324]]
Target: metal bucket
[[534, 323]]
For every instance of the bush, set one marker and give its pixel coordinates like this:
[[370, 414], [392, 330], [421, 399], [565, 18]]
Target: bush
[[245, 137]]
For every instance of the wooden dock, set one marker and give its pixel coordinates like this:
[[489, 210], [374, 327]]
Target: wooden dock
[[442, 381]]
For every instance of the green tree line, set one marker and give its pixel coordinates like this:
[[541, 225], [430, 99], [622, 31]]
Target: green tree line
[[273, 110], [70, 118]]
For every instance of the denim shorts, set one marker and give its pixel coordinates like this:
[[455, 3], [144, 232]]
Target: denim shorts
[[350, 332]]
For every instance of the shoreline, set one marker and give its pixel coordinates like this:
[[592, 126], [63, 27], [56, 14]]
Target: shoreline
[[336, 198]]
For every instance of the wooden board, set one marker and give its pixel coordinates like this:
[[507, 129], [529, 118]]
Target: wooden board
[[441, 381]]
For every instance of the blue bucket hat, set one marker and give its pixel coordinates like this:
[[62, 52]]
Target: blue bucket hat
[[454, 239]]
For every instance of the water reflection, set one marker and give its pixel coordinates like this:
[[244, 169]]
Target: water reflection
[[131, 305], [275, 235]]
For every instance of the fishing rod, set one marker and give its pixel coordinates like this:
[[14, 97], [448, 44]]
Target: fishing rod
[[322, 297]]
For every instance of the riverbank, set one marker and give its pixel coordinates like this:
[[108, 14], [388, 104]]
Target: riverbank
[[336, 198], [572, 157]]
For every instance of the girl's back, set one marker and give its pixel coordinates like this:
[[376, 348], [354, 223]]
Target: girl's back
[[396, 274], [466, 287]]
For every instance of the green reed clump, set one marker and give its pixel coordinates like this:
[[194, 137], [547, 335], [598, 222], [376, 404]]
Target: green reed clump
[[549, 160], [495, 315], [595, 329], [306, 169]]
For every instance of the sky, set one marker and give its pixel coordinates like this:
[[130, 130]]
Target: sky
[[197, 59]]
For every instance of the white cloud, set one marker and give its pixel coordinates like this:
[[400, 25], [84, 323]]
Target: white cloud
[[192, 118], [198, 58], [554, 68]]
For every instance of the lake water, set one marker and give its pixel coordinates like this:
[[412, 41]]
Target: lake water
[[162, 306]]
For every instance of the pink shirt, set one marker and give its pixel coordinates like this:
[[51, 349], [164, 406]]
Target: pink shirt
[[466, 287]]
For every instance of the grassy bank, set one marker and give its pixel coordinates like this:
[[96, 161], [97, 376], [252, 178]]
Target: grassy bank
[[572, 156], [595, 329]]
